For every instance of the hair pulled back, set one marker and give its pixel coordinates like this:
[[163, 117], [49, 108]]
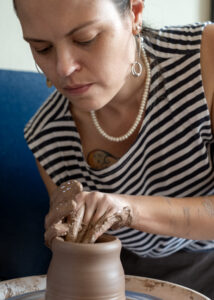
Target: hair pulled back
[[14, 5], [122, 5]]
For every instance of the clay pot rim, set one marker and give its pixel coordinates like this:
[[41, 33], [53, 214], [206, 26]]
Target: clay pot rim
[[110, 242]]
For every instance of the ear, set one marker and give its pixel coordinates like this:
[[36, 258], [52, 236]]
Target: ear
[[137, 7]]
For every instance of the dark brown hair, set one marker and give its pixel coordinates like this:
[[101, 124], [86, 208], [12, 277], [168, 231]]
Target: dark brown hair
[[14, 5], [122, 5]]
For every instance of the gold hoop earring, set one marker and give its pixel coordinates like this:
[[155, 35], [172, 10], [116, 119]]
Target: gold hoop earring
[[48, 83]]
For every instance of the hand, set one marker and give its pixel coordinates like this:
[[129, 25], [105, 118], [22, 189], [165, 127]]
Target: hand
[[63, 219], [84, 216], [101, 212]]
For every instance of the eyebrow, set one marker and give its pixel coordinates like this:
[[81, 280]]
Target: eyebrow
[[29, 39]]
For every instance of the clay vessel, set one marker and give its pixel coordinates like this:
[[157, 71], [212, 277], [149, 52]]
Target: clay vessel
[[86, 271]]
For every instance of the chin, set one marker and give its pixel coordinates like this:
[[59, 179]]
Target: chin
[[90, 107], [87, 105]]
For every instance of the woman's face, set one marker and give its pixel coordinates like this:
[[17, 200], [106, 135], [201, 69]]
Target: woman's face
[[85, 48]]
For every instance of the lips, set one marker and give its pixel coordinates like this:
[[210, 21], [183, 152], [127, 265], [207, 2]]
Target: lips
[[77, 88]]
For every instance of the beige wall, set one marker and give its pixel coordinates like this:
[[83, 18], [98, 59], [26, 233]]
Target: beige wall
[[15, 53], [174, 12]]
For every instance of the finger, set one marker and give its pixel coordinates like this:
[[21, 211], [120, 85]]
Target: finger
[[89, 199], [74, 223], [58, 230], [90, 219], [62, 201], [85, 226], [71, 188], [96, 230], [81, 234], [60, 212], [101, 211], [113, 219], [90, 230], [67, 190]]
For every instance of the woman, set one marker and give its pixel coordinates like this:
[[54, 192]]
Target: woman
[[132, 120]]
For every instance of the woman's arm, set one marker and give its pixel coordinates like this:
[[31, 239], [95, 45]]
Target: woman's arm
[[191, 218], [207, 68], [50, 185]]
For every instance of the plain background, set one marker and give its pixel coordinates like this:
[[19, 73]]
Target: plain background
[[15, 53]]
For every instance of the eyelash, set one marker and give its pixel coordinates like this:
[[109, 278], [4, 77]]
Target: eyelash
[[43, 51], [85, 43]]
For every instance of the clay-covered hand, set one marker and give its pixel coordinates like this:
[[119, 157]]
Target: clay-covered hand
[[83, 217], [102, 212], [64, 219]]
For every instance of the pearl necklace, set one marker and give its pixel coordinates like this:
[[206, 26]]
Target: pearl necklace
[[141, 109]]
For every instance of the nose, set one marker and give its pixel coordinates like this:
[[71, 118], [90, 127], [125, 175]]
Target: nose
[[67, 62]]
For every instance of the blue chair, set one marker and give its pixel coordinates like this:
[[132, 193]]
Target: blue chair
[[23, 197]]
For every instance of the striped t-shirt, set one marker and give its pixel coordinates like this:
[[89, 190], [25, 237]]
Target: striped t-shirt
[[173, 154]]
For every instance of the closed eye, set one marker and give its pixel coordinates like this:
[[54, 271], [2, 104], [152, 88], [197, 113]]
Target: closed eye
[[86, 43], [43, 50]]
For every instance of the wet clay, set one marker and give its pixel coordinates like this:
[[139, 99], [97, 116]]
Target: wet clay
[[86, 271], [114, 221], [62, 202], [70, 189], [66, 221]]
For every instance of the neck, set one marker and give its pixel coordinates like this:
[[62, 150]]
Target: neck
[[139, 114], [129, 95]]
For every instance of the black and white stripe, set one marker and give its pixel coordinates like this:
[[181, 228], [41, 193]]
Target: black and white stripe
[[173, 154]]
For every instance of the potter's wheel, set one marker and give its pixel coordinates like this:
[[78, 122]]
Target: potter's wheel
[[33, 288], [30, 296], [40, 295]]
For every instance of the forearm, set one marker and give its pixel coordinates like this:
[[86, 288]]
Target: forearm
[[191, 218]]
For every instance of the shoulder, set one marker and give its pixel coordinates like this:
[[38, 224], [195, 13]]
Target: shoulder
[[171, 40], [185, 34], [207, 66], [207, 49], [188, 30], [53, 108]]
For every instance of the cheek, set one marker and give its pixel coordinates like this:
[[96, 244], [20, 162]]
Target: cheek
[[111, 64], [114, 59], [39, 62], [113, 71], [47, 67], [45, 62]]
